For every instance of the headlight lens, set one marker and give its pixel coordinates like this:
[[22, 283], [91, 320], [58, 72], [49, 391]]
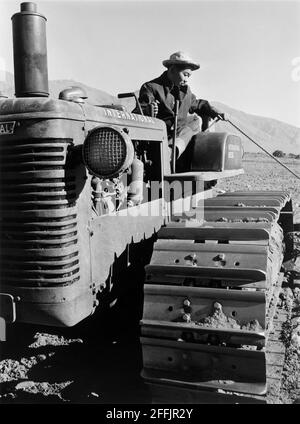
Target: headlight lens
[[107, 152]]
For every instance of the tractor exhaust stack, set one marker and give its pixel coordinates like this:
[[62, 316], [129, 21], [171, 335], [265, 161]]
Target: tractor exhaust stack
[[30, 52]]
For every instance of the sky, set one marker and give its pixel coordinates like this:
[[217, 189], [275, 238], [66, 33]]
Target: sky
[[249, 51]]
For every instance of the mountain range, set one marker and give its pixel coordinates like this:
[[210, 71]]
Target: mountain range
[[272, 134]]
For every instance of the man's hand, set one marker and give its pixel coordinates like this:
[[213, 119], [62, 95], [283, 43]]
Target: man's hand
[[210, 111], [214, 113], [221, 116], [154, 108]]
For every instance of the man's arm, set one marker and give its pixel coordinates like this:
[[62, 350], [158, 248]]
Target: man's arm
[[148, 101], [203, 108]]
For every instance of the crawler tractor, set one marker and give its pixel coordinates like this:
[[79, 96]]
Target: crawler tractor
[[82, 186]]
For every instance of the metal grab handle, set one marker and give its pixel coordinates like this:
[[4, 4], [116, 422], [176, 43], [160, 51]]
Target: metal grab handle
[[123, 95]]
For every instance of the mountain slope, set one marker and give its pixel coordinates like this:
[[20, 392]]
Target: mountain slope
[[270, 133], [95, 96]]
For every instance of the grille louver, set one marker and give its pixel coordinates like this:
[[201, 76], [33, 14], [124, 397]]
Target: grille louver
[[38, 217]]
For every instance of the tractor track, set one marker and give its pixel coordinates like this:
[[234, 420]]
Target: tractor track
[[47, 365], [51, 371]]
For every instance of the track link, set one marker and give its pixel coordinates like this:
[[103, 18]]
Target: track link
[[210, 299]]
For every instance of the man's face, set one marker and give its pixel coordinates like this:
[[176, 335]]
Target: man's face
[[180, 75]]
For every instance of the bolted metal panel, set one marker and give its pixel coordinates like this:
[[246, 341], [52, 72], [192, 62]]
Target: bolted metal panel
[[201, 366], [204, 314]]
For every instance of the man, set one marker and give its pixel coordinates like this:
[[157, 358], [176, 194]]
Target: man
[[157, 98]]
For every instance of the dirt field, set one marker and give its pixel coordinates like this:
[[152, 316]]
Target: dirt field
[[263, 173], [72, 366]]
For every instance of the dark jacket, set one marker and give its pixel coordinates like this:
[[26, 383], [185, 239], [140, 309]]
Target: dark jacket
[[162, 89]]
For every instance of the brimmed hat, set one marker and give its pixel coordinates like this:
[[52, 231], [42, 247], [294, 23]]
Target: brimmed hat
[[181, 58]]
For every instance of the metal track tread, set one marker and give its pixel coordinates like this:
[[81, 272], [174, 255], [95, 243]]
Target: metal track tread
[[201, 271], [275, 356], [172, 391]]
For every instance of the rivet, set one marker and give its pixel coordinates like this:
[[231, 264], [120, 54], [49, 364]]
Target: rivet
[[186, 317], [186, 302]]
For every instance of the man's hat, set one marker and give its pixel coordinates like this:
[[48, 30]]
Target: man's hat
[[181, 58]]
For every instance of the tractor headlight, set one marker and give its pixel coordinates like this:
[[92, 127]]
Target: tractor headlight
[[107, 152]]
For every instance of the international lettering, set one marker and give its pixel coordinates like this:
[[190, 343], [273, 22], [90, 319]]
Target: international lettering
[[119, 114], [7, 127]]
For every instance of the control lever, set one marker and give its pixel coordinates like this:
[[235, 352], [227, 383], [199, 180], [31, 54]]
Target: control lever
[[124, 95]]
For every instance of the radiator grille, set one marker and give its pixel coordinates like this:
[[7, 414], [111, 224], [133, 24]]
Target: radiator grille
[[38, 216]]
